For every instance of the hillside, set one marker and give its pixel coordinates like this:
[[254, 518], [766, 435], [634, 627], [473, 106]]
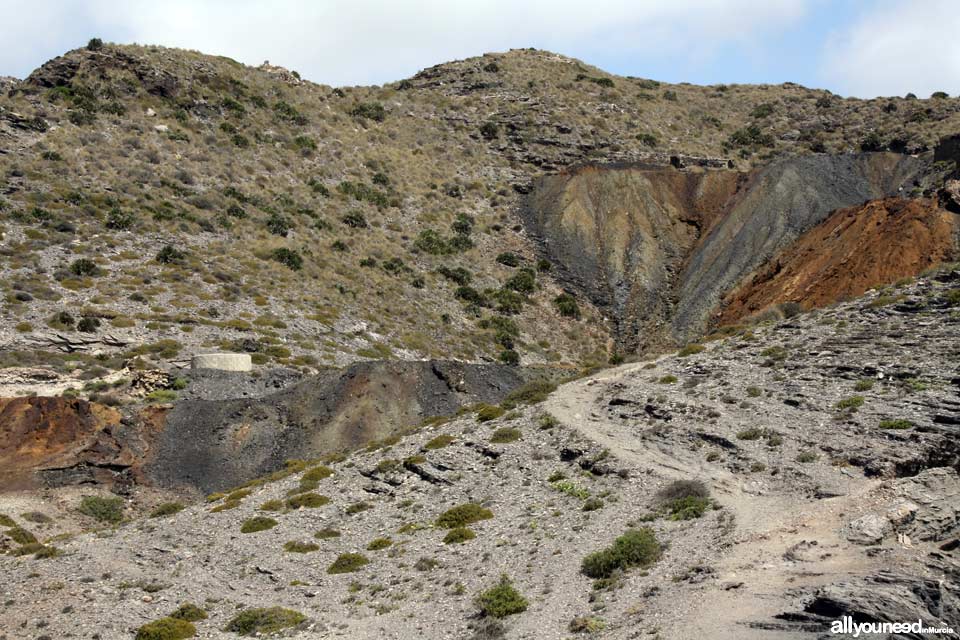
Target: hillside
[[160, 202], [763, 484]]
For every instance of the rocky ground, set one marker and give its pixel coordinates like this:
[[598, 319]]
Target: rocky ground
[[827, 443]]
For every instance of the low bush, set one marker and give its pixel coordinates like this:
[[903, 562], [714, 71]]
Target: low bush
[[189, 612], [378, 544], [567, 306], [166, 629], [102, 509], [294, 546], [505, 435], [439, 442], [348, 563], [488, 412], [167, 509], [459, 535], [635, 548], [502, 600], [258, 523], [326, 534], [690, 350], [895, 424], [462, 515], [307, 501], [289, 258], [264, 621], [850, 404], [21, 535]]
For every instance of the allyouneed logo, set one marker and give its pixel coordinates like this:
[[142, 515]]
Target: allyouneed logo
[[846, 625]]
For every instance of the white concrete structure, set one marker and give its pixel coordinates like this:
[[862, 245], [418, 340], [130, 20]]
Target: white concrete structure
[[222, 361]]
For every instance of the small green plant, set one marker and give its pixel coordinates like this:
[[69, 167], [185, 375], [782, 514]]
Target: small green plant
[[166, 629], [896, 424], [326, 534], [462, 515], [567, 306], [635, 548], [505, 434], [850, 404], [307, 501], [439, 442], [294, 546], [257, 523], [863, 385], [459, 535], [348, 563], [357, 507], [189, 612], [668, 379], [167, 509], [289, 258], [264, 621], [754, 392], [501, 600], [753, 433], [569, 488], [806, 456], [684, 499], [488, 412], [170, 255], [21, 535], [84, 267], [378, 544], [102, 509], [691, 349]]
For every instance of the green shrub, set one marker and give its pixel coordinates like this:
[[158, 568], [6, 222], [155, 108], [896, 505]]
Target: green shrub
[[120, 220], [753, 433], [378, 544], [690, 350], [289, 258], [358, 507], [754, 392], [166, 629], [524, 281], [807, 456], [592, 504], [347, 563], [684, 499], [459, 535], [761, 110], [687, 508], [102, 509], [88, 324], [369, 111], [189, 612], [863, 385], [502, 600], [488, 412], [489, 130], [462, 515], [294, 546], [850, 404], [170, 255], [326, 534], [569, 488], [895, 424], [635, 548], [533, 392], [84, 267], [307, 501], [272, 505], [317, 473], [668, 379], [167, 509], [6, 521], [94, 44], [264, 621], [567, 305], [439, 442], [354, 220], [504, 435], [508, 258], [258, 523], [21, 535]]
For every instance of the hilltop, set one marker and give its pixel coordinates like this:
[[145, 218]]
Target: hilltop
[[160, 202]]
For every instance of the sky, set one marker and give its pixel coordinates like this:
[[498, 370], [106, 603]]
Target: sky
[[857, 48]]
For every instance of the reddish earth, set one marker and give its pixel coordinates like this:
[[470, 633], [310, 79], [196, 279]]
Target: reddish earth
[[56, 434], [853, 250]]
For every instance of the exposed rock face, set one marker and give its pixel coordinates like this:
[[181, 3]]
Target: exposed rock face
[[42, 436], [853, 250], [213, 445], [657, 248]]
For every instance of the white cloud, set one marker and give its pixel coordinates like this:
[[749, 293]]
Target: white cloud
[[896, 48], [363, 41]]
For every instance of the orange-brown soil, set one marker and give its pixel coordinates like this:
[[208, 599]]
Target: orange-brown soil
[[853, 250]]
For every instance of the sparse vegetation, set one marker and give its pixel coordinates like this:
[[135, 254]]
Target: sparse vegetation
[[635, 548], [462, 515], [256, 622], [102, 509], [256, 524], [166, 629], [348, 563], [501, 600]]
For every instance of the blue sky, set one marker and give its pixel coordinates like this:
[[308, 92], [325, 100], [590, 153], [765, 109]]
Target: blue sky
[[852, 47]]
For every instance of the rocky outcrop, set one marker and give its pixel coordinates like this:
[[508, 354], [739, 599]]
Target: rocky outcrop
[[43, 437], [853, 250], [657, 248], [215, 444]]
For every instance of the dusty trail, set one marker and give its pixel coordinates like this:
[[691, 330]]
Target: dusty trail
[[770, 548]]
